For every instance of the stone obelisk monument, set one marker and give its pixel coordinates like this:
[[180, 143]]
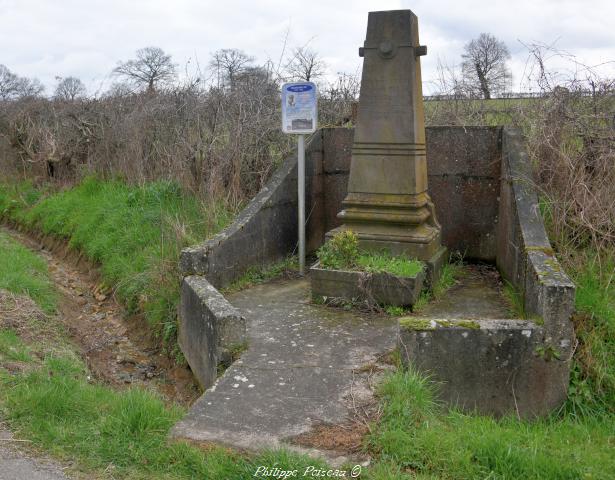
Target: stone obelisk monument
[[387, 203]]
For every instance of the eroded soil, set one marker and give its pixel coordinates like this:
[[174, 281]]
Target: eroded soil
[[119, 349]]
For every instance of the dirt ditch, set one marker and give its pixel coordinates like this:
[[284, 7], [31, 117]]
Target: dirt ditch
[[120, 350]]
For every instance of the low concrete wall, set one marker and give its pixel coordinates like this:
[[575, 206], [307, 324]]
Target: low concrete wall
[[209, 326], [479, 180], [524, 254], [464, 172], [497, 369], [512, 366], [266, 230]]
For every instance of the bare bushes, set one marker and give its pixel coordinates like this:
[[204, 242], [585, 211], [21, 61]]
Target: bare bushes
[[569, 124], [219, 143], [571, 140]]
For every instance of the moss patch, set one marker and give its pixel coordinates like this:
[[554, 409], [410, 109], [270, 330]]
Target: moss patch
[[414, 323], [471, 324]]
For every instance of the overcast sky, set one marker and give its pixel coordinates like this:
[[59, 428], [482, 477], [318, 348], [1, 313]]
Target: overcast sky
[[86, 38]]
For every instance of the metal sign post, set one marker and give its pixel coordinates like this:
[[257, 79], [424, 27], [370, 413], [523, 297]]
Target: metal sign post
[[299, 117], [301, 199]]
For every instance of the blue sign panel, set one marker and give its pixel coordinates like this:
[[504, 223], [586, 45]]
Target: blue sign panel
[[299, 108]]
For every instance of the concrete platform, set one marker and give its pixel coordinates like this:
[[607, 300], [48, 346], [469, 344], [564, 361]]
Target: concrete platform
[[306, 365]]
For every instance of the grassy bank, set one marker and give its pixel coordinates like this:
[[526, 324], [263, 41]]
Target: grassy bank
[[24, 273], [135, 234], [49, 399]]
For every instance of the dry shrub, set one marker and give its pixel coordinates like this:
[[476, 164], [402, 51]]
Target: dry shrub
[[220, 142], [569, 124]]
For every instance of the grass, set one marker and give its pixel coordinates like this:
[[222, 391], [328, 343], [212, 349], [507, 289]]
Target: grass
[[514, 299], [342, 252], [258, 275], [108, 433], [124, 434], [135, 233], [592, 389], [448, 275], [24, 273], [399, 265], [54, 404], [416, 437]]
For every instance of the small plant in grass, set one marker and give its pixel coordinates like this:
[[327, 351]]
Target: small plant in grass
[[394, 311], [340, 252], [448, 275]]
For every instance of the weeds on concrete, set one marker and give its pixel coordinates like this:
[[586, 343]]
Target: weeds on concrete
[[448, 275], [342, 252], [257, 275]]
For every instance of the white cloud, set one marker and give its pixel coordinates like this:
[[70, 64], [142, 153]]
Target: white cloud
[[46, 39]]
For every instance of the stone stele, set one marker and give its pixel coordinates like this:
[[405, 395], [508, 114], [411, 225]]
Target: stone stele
[[387, 203]]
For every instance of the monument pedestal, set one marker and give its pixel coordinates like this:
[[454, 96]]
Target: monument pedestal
[[387, 205]]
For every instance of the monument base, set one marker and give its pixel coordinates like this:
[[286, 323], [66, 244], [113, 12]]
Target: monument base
[[422, 245]]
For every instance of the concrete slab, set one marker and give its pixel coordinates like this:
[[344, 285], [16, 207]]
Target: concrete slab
[[305, 366]]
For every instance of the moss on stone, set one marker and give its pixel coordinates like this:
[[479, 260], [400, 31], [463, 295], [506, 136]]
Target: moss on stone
[[554, 264], [537, 319], [546, 250], [414, 323], [471, 324]]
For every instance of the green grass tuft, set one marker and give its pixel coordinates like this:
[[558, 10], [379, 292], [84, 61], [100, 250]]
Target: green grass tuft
[[258, 275], [11, 347], [24, 273], [105, 432], [448, 275], [417, 435], [342, 252], [399, 265]]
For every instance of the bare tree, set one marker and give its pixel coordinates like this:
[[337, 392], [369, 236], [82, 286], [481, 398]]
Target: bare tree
[[305, 65], [229, 63], [8, 83], [484, 66], [151, 67], [69, 89], [13, 86]]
